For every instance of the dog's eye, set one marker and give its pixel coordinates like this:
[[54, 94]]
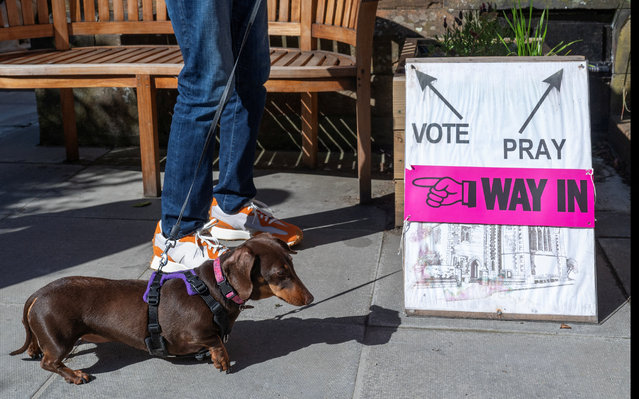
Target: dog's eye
[[280, 274]]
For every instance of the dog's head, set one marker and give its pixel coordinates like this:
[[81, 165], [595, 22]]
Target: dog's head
[[262, 267]]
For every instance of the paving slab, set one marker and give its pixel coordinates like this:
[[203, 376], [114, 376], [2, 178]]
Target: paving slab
[[617, 251], [40, 249], [98, 193], [20, 377], [419, 363]]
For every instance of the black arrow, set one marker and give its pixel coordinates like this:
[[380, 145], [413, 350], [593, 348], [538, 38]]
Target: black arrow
[[427, 81], [553, 80]]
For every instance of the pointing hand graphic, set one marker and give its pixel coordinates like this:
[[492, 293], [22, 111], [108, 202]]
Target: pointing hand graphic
[[445, 191]]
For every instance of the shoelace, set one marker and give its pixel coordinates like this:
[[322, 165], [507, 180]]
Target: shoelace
[[260, 210], [257, 210], [210, 241]]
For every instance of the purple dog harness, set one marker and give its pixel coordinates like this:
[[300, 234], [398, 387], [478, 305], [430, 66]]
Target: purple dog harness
[[155, 343], [225, 287]]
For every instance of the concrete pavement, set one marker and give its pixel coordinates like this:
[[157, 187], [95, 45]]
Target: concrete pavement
[[90, 218]]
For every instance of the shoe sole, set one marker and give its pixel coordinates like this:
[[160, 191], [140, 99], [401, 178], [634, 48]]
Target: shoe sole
[[234, 235], [229, 234], [170, 267]]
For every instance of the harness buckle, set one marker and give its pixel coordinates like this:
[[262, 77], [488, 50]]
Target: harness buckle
[[154, 328], [199, 287], [226, 288], [153, 298], [196, 283], [156, 350]]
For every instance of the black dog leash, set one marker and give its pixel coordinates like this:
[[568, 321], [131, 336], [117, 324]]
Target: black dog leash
[[155, 343]]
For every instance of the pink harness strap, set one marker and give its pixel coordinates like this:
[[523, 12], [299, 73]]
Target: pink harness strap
[[225, 286]]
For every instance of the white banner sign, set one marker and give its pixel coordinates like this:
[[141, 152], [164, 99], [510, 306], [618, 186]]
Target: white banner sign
[[500, 120]]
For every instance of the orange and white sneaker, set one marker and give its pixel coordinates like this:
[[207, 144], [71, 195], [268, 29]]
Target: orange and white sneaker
[[254, 218], [188, 252]]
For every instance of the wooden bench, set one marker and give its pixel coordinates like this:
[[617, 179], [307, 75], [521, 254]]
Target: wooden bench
[[306, 69]]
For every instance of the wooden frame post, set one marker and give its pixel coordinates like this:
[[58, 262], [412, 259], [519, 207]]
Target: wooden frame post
[[149, 147]]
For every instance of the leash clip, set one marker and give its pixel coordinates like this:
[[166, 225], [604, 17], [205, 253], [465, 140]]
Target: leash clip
[[164, 258]]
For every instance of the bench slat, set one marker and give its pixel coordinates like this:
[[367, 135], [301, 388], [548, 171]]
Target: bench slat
[[120, 27], [339, 12], [346, 20], [86, 57], [295, 11], [89, 10], [330, 12], [283, 12], [320, 11], [75, 11], [354, 15], [26, 31], [160, 10], [117, 55], [292, 85], [147, 10], [46, 82], [118, 10], [301, 59], [284, 28], [13, 17], [107, 55], [317, 59], [23, 56], [285, 58], [43, 12], [27, 13], [54, 57], [127, 60], [103, 10], [132, 10]]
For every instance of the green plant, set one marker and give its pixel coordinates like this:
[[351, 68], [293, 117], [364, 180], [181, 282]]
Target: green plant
[[529, 36], [474, 33]]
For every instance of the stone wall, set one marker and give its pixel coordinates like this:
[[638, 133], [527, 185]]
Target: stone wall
[[107, 116]]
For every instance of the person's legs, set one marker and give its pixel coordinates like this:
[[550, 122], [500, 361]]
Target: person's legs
[[240, 120], [234, 214], [203, 31], [210, 34]]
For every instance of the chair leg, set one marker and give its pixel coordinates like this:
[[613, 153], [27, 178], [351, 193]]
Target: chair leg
[[364, 138], [69, 125], [149, 148], [310, 127]]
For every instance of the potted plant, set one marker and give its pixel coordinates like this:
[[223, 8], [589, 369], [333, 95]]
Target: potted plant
[[482, 33]]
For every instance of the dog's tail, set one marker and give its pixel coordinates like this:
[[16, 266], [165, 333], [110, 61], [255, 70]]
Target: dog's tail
[[25, 321]]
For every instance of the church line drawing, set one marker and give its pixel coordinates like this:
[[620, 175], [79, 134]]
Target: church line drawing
[[511, 257]]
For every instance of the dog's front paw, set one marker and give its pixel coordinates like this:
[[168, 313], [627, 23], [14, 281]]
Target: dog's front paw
[[77, 377], [220, 358]]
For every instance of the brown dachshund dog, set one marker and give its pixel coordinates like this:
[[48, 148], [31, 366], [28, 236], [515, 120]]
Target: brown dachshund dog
[[101, 310]]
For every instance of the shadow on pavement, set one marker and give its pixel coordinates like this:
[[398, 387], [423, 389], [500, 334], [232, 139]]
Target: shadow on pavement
[[257, 341], [73, 237]]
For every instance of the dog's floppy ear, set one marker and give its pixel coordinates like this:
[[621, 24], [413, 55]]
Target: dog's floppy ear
[[269, 236], [237, 268], [285, 246]]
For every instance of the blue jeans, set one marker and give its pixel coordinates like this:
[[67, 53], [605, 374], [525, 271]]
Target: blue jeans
[[209, 33]]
